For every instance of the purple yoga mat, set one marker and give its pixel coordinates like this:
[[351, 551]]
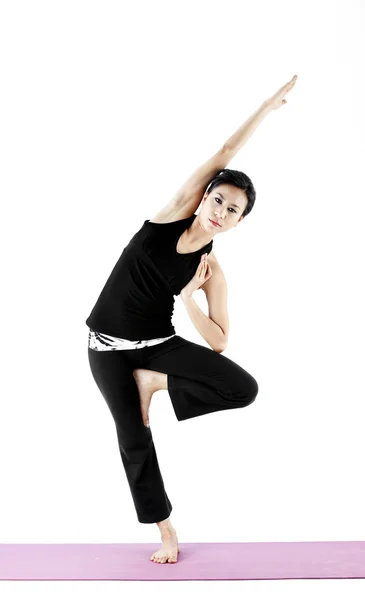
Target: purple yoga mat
[[196, 561]]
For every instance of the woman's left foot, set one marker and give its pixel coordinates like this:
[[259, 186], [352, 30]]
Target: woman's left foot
[[147, 385], [169, 549]]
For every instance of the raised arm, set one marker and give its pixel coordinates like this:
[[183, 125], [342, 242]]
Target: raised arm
[[194, 187]]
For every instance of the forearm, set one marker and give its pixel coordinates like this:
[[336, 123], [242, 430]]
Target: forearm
[[240, 137], [207, 328]]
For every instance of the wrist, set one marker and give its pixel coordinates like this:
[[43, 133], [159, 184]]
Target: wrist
[[185, 294], [266, 106]]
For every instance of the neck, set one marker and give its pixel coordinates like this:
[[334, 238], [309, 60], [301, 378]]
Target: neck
[[196, 234]]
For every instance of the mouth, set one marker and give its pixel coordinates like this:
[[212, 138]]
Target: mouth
[[214, 223]]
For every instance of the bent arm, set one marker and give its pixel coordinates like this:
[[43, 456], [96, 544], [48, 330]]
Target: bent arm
[[207, 328]]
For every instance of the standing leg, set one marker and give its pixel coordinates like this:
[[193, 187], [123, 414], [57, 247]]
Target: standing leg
[[112, 371]]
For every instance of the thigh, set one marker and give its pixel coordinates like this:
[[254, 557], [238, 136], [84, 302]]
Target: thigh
[[188, 359]]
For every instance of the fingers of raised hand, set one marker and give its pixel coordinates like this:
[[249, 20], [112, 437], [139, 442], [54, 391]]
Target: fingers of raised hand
[[291, 83]]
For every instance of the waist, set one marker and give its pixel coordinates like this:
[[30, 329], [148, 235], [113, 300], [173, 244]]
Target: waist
[[102, 341]]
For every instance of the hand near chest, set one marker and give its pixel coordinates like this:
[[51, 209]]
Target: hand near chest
[[201, 276]]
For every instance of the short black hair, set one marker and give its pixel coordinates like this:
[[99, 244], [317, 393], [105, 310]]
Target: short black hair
[[238, 179]]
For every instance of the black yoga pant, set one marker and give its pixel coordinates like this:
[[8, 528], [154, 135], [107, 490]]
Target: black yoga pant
[[199, 381]]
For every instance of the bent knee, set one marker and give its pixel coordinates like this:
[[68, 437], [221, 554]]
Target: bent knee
[[251, 391]]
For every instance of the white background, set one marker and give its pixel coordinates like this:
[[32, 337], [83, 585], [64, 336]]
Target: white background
[[107, 108]]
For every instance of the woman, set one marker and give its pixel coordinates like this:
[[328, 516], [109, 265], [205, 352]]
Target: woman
[[133, 347]]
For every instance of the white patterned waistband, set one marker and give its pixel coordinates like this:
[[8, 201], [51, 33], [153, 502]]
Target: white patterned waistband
[[103, 341]]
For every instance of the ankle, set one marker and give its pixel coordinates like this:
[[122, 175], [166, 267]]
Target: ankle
[[161, 381], [165, 526]]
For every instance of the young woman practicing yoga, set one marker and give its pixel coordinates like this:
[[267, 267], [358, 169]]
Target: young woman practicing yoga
[[133, 348]]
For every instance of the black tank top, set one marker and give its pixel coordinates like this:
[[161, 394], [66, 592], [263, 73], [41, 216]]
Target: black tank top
[[137, 300]]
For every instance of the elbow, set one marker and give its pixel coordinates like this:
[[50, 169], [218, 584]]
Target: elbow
[[220, 349], [222, 346]]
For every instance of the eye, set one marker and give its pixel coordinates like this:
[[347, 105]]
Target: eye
[[221, 201]]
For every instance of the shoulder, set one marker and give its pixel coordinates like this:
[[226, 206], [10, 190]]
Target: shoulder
[[173, 211], [213, 261]]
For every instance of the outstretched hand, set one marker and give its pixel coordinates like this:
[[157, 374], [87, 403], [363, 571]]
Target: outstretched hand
[[202, 274], [277, 100]]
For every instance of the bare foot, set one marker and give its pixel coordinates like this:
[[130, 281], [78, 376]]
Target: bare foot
[[146, 383], [169, 548]]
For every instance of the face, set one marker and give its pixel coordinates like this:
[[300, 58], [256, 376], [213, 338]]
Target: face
[[224, 205]]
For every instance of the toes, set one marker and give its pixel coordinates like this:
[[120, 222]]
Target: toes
[[164, 559]]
